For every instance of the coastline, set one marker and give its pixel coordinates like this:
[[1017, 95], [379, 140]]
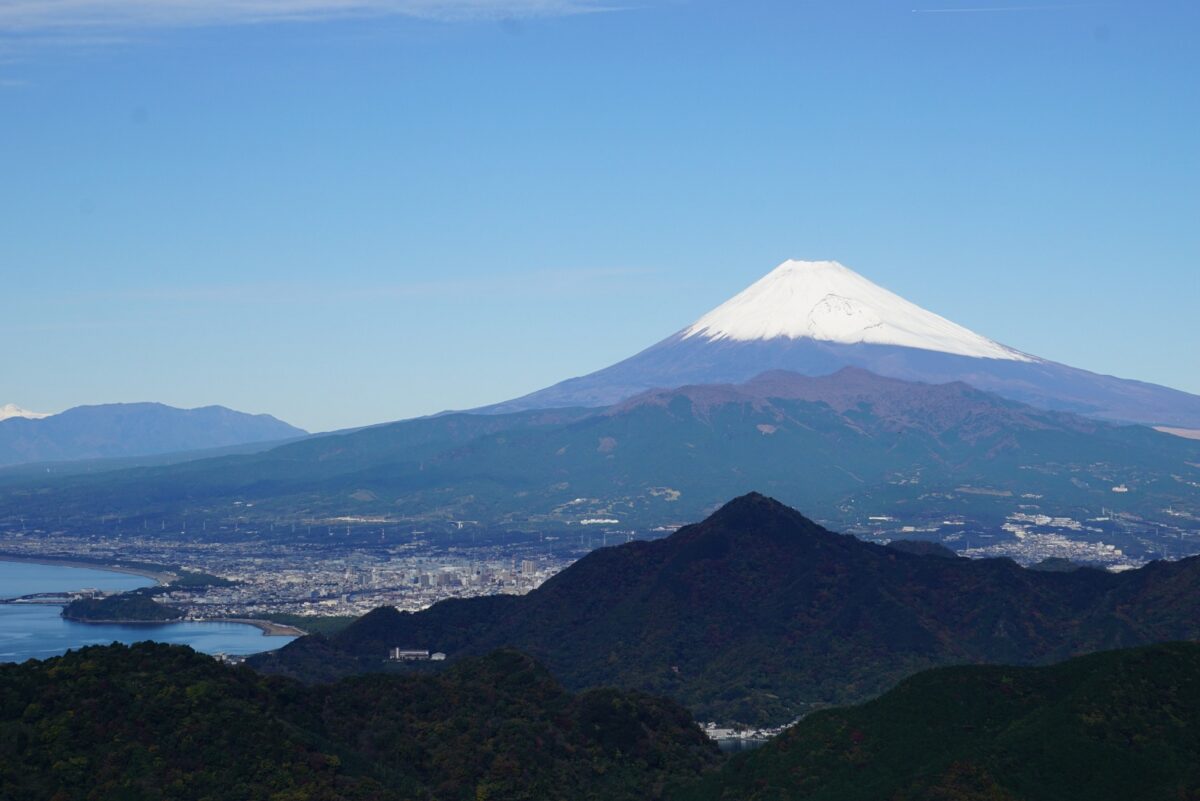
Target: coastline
[[267, 627], [125, 622], [158, 577]]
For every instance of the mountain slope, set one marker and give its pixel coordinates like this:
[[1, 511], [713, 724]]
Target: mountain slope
[[844, 446], [26, 471], [1106, 727], [154, 721], [758, 614], [320, 472], [817, 317], [132, 429]]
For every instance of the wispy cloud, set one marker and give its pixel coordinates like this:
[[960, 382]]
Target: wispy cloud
[[33, 16]]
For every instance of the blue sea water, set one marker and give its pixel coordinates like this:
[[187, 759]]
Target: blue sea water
[[22, 578], [37, 631]]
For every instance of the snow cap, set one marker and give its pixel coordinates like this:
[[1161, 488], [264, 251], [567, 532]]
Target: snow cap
[[826, 301], [12, 410]]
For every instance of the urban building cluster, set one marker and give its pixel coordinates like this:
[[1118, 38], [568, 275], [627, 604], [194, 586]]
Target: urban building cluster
[[353, 567], [305, 579]]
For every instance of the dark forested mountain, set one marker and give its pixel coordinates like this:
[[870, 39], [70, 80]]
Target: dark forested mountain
[[1112, 726], [816, 317], [157, 722], [844, 446], [758, 614], [132, 429], [152, 722]]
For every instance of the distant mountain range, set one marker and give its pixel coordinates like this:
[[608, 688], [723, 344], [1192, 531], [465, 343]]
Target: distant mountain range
[[815, 317], [846, 447], [130, 430], [669, 434], [1112, 726], [758, 614]]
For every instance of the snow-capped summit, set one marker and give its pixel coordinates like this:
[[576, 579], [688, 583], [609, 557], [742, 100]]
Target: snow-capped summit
[[12, 410], [827, 301], [816, 317]]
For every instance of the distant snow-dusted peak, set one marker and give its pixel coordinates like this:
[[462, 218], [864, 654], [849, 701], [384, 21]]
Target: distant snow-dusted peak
[[826, 301], [12, 410]]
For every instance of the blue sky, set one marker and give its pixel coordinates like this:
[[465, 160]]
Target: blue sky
[[344, 212]]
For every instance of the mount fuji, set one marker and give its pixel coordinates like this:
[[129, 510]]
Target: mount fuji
[[816, 317]]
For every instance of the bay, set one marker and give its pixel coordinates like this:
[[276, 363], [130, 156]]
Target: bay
[[38, 631], [26, 578]]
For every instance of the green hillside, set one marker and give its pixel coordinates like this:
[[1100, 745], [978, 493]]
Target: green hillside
[[154, 722], [1113, 726], [131, 606]]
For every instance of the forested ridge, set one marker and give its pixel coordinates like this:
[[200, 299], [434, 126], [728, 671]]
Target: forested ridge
[[150, 721], [1113, 726]]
